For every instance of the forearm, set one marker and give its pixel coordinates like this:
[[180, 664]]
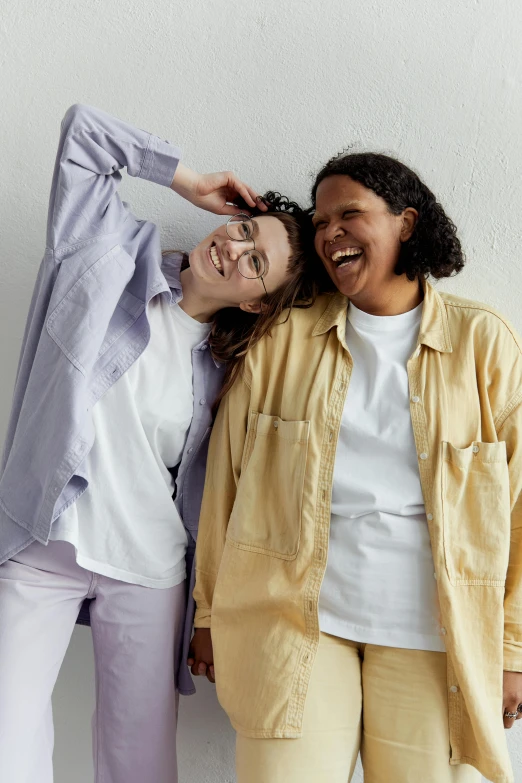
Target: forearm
[[513, 602], [93, 148], [223, 471], [184, 181], [513, 592]]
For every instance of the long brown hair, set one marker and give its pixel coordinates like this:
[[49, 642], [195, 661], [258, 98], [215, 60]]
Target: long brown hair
[[234, 331]]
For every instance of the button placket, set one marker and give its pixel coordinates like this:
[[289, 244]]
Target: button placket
[[321, 528]]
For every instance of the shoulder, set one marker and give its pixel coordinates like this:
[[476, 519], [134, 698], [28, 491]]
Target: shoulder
[[472, 317], [290, 333]]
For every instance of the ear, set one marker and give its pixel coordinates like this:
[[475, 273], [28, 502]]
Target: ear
[[409, 220], [253, 307]]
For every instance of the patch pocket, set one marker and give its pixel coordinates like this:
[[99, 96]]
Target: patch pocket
[[80, 322], [476, 513], [267, 512]]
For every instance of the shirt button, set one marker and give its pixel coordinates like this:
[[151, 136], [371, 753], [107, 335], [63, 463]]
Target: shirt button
[[415, 399], [429, 516], [191, 450], [434, 575], [443, 631], [475, 449], [454, 688], [423, 455], [202, 401]]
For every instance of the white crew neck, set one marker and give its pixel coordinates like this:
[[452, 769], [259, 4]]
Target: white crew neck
[[189, 323], [384, 323]]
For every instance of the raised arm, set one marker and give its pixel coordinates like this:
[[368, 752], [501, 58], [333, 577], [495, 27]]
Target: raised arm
[[93, 149]]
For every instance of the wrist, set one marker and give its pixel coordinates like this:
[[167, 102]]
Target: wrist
[[184, 181]]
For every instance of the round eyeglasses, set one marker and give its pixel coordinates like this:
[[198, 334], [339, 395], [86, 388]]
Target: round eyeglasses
[[251, 263]]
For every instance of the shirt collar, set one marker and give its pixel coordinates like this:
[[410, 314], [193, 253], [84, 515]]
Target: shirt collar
[[434, 328], [171, 267]]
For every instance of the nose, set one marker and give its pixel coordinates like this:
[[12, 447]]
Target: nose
[[235, 249], [333, 231]]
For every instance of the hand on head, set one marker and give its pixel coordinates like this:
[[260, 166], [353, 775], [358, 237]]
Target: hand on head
[[216, 192]]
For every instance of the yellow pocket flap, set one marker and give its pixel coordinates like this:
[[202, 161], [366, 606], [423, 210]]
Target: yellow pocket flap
[[273, 425]]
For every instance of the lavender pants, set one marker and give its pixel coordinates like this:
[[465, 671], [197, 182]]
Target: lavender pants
[[137, 635]]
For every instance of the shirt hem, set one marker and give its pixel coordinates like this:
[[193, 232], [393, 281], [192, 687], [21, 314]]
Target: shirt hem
[[496, 778], [104, 569], [402, 640]]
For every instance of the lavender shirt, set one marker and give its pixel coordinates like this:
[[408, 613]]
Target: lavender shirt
[[87, 324]]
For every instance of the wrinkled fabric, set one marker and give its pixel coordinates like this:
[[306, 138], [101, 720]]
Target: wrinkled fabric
[[137, 634], [86, 326], [264, 528], [390, 704]]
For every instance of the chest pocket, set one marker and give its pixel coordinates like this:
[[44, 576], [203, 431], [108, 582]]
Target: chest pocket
[[266, 516], [476, 513], [96, 310]]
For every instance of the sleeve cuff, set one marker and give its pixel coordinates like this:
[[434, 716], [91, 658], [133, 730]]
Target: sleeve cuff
[[202, 618], [160, 162], [512, 657]]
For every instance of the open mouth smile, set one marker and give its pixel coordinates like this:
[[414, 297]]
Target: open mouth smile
[[214, 258], [346, 256]]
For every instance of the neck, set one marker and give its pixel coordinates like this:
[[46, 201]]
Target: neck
[[395, 300], [199, 307]]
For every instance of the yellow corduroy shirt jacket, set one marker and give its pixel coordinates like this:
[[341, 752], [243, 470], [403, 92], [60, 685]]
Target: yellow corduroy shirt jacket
[[264, 527]]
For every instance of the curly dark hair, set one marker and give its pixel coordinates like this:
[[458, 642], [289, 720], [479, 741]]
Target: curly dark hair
[[434, 247]]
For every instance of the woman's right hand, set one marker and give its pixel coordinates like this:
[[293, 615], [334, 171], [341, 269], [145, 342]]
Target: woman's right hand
[[214, 192], [201, 654]]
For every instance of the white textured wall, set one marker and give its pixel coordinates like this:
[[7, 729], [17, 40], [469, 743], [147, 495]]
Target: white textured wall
[[271, 89]]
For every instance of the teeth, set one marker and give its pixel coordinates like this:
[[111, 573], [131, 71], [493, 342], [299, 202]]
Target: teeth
[[215, 258], [347, 251]]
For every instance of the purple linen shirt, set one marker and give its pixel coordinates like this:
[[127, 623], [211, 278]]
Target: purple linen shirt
[[87, 324]]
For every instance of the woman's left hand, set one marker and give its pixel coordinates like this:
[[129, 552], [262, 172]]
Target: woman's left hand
[[214, 192], [512, 697]]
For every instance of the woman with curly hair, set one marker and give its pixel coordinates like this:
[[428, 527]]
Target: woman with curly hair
[[102, 476], [360, 551]]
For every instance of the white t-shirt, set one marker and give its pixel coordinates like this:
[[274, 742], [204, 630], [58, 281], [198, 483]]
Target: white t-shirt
[[126, 525], [379, 585]]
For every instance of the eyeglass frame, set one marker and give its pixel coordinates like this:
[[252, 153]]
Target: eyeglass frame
[[247, 219]]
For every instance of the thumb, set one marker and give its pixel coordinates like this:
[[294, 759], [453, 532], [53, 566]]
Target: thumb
[[232, 209]]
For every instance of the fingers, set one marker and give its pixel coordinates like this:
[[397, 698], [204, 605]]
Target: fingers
[[249, 195], [199, 669], [512, 713], [229, 209], [202, 669]]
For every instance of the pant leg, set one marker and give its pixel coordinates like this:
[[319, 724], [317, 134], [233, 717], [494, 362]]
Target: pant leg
[[405, 719], [40, 594], [137, 635], [328, 749]]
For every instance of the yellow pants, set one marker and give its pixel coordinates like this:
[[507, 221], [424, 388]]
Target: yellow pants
[[390, 704]]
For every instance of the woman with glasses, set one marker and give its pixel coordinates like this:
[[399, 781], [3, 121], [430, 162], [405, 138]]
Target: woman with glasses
[[359, 555], [123, 356]]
